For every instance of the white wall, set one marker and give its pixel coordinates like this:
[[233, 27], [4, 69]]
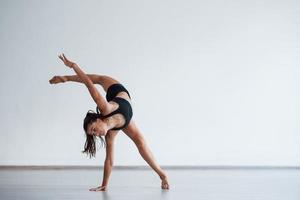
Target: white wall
[[212, 82]]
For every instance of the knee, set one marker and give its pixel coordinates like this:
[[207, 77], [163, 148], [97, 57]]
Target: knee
[[140, 143]]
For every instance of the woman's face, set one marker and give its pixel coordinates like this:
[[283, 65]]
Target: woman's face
[[97, 128]]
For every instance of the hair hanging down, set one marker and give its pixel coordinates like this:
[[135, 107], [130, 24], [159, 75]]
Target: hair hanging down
[[90, 143]]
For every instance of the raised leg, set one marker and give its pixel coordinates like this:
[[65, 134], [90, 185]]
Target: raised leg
[[106, 81], [103, 80]]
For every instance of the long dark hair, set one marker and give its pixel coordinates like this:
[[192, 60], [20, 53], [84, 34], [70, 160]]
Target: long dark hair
[[90, 142]]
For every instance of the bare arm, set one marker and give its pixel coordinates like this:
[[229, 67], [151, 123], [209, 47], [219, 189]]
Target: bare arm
[[109, 159], [99, 100], [108, 163]]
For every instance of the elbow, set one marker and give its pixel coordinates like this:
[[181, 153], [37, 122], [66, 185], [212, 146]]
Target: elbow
[[108, 162]]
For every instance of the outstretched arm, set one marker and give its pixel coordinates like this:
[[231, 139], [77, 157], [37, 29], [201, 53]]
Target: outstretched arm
[[99, 100]]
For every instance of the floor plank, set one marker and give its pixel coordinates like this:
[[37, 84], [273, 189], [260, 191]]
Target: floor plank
[[208, 184]]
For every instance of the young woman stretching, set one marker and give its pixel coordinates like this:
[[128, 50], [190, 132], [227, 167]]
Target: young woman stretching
[[115, 114]]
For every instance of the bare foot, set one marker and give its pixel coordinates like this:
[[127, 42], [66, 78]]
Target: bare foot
[[100, 188]]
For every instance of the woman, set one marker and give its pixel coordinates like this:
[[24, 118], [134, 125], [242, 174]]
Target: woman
[[115, 114]]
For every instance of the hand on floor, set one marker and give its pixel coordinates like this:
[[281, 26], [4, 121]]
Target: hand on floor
[[100, 188], [164, 184]]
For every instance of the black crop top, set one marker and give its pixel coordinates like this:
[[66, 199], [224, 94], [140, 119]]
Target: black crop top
[[123, 109], [124, 106]]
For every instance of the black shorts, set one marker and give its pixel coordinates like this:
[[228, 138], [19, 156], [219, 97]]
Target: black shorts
[[114, 89]]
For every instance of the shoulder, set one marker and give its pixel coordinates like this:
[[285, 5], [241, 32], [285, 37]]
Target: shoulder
[[110, 135], [111, 106]]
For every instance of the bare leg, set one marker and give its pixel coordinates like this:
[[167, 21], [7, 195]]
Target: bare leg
[[135, 135], [103, 80], [106, 81]]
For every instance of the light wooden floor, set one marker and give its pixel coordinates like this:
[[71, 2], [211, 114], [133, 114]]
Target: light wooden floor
[[205, 184]]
